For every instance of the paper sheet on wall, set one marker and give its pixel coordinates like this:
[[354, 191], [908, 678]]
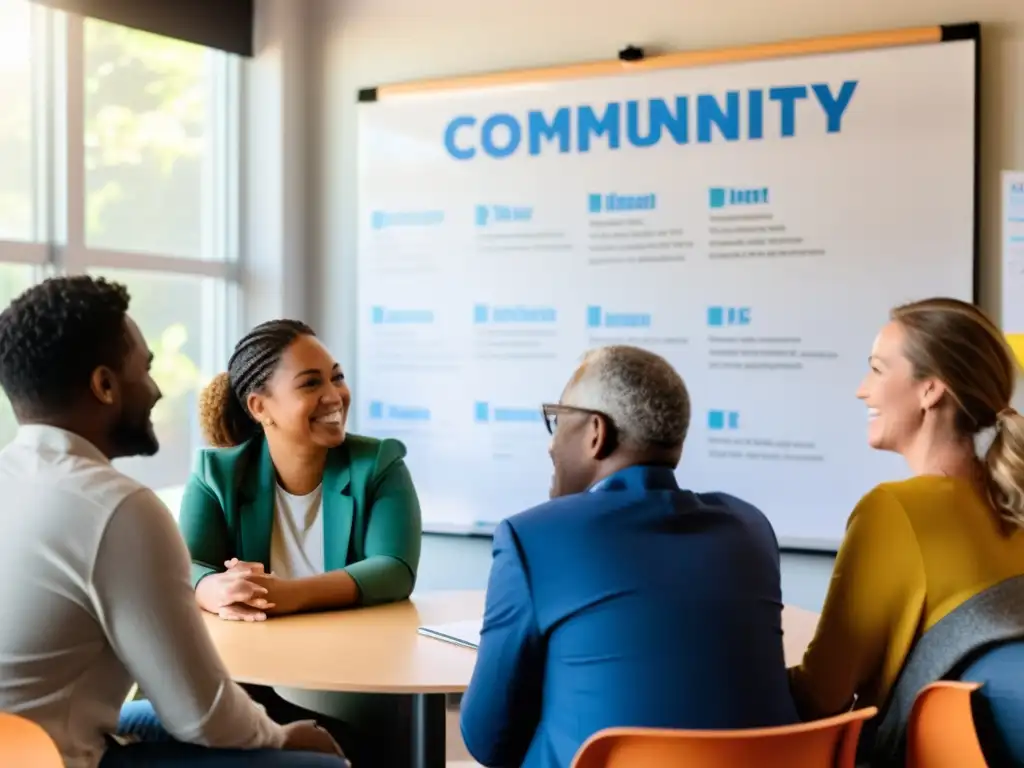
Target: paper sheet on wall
[[1013, 260]]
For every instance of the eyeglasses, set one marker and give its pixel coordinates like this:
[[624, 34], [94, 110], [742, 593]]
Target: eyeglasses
[[551, 411]]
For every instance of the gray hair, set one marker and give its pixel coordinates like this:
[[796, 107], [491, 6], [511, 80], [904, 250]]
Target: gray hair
[[641, 393]]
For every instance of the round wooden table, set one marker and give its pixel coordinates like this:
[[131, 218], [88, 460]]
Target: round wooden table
[[378, 651], [367, 651], [798, 627]]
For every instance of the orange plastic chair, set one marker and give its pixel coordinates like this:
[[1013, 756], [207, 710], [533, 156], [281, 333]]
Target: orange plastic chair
[[830, 743], [941, 731], [22, 742]]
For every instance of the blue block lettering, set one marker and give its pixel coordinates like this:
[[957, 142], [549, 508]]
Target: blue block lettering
[[755, 114], [787, 97], [646, 122], [834, 106], [459, 153], [515, 135], [659, 116], [710, 113], [540, 129], [608, 125]]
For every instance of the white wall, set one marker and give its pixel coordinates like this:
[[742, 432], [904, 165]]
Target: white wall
[[363, 43], [456, 562], [276, 184]]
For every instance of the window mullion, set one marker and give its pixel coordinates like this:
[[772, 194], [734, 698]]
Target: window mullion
[[229, 130], [42, 124], [72, 192], [239, 231], [209, 224]]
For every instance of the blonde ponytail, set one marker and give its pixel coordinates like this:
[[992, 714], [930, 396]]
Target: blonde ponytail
[[223, 419], [958, 344], [1004, 461]]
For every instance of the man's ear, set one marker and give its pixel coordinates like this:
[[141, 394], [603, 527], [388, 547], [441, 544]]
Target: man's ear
[[103, 385], [603, 438]]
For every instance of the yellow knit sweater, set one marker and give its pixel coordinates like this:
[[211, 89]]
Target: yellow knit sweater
[[913, 551]]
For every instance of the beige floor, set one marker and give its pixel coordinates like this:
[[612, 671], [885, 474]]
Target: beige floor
[[457, 755]]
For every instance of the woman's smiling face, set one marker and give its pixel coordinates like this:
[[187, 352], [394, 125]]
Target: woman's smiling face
[[307, 398]]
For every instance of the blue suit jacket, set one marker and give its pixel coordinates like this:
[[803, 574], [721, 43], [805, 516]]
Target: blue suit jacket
[[634, 604]]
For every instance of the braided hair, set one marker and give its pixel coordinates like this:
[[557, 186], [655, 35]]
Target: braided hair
[[223, 414]]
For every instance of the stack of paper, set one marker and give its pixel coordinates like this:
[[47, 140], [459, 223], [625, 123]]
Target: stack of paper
[[462, 633]]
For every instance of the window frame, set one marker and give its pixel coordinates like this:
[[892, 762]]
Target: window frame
[[36, 251], [59, 244]]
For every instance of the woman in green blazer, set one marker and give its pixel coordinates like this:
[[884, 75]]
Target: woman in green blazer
[[287, 513]]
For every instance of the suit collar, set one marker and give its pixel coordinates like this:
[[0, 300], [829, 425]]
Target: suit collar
[[638, 477], [337, 471], [339, 508], [261, 477], [258, 494]]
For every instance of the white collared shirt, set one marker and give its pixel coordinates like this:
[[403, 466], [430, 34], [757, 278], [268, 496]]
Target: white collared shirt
[[96, 594]]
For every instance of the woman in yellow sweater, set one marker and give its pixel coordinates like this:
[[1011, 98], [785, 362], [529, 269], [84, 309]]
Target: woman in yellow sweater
[[940, 374]]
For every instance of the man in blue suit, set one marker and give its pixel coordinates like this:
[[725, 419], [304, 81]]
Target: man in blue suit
[[625, 600]]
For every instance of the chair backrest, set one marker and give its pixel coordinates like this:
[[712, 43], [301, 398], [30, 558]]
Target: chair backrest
[[23, 742], [941, 733], [830, 743], [992, 617]]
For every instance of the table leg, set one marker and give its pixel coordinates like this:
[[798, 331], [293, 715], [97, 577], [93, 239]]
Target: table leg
[[375, 719], [428, 730]]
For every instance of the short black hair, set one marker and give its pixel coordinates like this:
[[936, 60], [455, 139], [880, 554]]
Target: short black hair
[[54, 335]]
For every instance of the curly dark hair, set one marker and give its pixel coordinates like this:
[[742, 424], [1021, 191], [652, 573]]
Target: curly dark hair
[[54, 335], [223, 416]]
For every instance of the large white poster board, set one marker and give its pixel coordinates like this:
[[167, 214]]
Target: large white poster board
[[751, 222]]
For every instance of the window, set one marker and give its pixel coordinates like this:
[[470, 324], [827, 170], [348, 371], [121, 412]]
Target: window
[[178, 315], [149, 143], [17, 181], [127, 169]]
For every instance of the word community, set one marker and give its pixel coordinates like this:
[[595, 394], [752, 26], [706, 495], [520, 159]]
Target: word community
[[779, 111]]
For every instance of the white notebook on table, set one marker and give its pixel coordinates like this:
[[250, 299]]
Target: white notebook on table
[[462, 633]]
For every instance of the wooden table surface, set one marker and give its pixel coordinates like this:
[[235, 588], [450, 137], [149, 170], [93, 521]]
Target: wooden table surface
[[377, 650], [369, 650]]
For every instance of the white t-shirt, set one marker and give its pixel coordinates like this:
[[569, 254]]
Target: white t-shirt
[[297, 540]]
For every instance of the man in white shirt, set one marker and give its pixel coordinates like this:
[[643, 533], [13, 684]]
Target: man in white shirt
[[95, 576]]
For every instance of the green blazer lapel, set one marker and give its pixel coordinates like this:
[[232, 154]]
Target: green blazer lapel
[[339, 508], [257, 496]]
